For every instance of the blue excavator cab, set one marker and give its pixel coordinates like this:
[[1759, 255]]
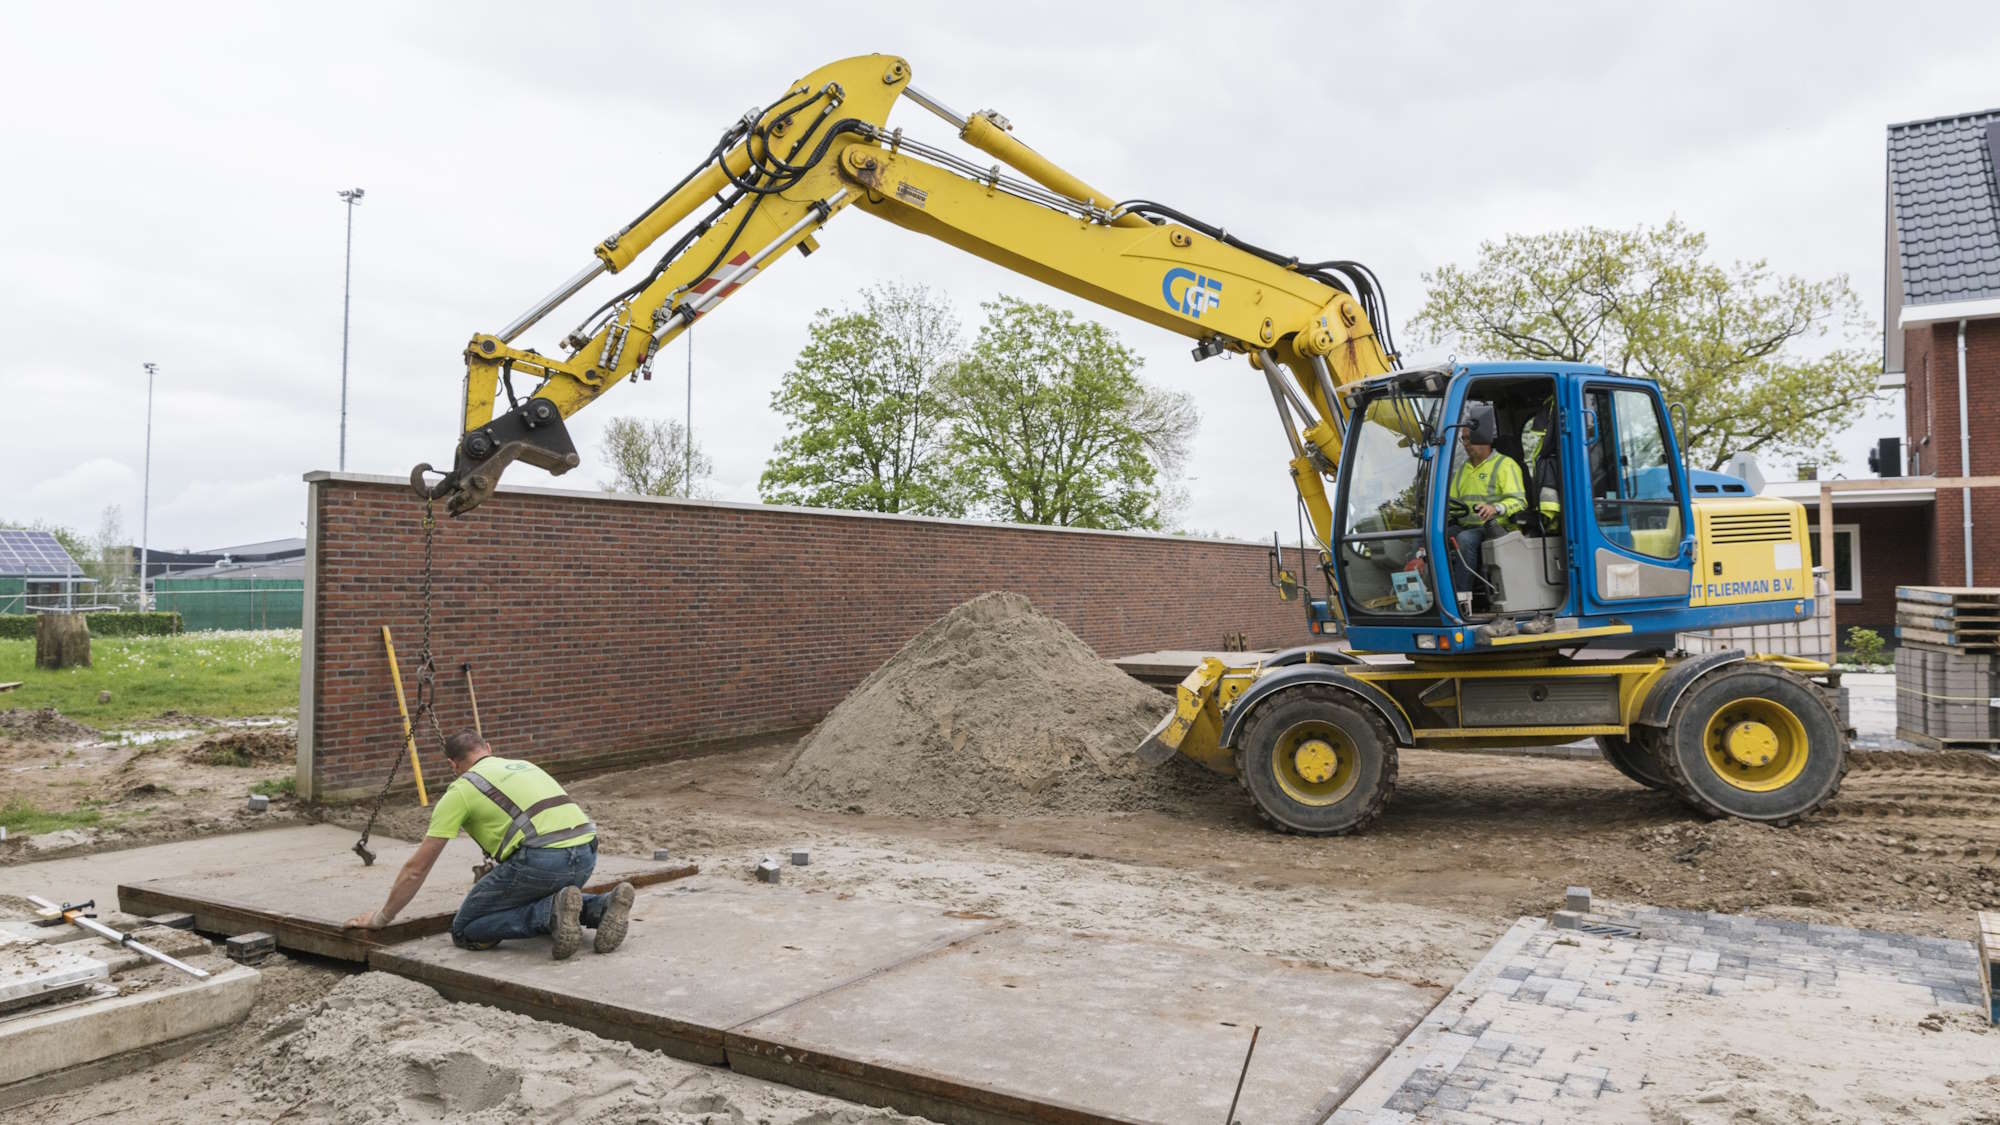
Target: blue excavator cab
[[1602, 532]]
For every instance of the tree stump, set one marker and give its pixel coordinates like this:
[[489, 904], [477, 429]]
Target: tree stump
[[62, 640]]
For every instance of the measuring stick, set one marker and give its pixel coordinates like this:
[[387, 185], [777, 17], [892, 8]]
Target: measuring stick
[[409, 735], [474, 696], [74, 916]]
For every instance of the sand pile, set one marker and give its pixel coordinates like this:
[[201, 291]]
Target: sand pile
[[379, 1048], [995, 708], [42, 722]]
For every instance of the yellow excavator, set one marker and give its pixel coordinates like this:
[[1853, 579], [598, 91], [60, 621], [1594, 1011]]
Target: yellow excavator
[[1524, 621]]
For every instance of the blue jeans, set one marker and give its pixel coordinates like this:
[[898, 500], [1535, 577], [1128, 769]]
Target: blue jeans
[[517, 898]]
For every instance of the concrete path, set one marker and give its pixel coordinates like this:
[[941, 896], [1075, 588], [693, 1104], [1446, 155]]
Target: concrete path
[[1699, 1017]]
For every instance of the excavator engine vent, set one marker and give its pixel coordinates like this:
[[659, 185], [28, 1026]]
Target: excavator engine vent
[[1750, 527]]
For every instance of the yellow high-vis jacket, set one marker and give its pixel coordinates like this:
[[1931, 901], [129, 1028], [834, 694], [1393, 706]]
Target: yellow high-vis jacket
[[1496, 481]]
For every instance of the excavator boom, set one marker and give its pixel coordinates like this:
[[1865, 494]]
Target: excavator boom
[[782, 173]]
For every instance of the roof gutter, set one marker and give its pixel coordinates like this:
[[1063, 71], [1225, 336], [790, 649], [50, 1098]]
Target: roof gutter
[[1979, 309], [1964, 453]]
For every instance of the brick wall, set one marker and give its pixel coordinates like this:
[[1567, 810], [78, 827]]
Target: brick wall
[[610, 630], [1933, 349], [1884, 535]]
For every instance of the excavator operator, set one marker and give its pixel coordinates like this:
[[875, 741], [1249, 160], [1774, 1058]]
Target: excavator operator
[[542, 850], [1487, 493]]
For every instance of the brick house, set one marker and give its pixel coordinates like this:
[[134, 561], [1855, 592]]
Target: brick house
[[1941, 345]]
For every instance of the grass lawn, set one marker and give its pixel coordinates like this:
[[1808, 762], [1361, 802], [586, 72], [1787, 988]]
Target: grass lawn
[[222, 675]]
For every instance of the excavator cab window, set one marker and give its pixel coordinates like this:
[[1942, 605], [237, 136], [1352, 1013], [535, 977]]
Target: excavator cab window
[[1384, 567]]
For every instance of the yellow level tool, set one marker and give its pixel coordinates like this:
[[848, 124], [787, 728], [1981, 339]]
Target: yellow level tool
[[409, 736]]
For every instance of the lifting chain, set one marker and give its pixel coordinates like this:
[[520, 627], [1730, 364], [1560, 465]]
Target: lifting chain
[[426, 689]]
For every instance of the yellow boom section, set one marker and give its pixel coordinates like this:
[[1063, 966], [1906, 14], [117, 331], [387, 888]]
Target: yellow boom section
[[782, 174]]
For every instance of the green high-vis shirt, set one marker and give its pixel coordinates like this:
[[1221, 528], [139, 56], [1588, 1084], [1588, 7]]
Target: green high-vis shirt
[[1496, 481], [524, 783]]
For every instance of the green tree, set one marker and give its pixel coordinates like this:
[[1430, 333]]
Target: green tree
[[1051, 424], [651, 457], [1764, 362], [864, 427]]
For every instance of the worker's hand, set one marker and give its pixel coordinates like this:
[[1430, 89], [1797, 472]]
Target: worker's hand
[[1486, 511], [369, 920]]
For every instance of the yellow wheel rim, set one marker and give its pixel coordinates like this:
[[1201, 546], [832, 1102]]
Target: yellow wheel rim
[[1314, 763], [1756, 744]]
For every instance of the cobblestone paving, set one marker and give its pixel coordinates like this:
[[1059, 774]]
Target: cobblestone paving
[[1490, 1053]]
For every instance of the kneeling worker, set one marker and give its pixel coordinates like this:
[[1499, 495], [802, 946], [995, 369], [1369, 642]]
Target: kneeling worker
[[544, 846]]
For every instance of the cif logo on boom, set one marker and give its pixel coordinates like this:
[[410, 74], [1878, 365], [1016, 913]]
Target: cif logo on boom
[[1188, 292]]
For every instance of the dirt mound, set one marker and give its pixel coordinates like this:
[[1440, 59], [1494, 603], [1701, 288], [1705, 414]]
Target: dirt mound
[[246, 748], [995, 708], [379, 1048], [42, 722]]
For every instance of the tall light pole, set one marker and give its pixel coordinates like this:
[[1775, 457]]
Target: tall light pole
[[146, 495], [352, 196]]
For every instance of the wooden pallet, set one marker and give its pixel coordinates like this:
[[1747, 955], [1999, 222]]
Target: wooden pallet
[[1948, 595], [1976, 745], [1963, 644], [1937, 617]]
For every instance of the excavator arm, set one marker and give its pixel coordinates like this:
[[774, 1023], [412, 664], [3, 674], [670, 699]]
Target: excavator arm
[[780, 174]]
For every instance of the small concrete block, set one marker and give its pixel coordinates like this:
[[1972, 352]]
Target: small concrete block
[[259, 802], [1567, 919], [250, 948], [767, 871], [179, 920], [661, 855], [801, 857], [1577, 899]]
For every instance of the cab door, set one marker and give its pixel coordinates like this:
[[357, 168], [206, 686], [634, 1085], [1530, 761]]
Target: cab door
[[1634, 548]]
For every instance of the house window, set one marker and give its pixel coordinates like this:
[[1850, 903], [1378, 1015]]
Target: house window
[[1846, 560]]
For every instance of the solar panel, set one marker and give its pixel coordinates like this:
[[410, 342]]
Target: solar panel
[[34, 554]]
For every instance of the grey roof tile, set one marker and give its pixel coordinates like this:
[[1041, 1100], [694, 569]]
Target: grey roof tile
[[1947, 204]]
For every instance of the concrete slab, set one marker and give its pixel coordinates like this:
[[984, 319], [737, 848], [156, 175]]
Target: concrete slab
[[97, 877], [303, 899], [44, 1052], [701, 957], [31, 971], [1054, 1026]]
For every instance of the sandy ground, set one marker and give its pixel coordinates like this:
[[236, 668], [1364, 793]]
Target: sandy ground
[[1468, 843], [155, 782]]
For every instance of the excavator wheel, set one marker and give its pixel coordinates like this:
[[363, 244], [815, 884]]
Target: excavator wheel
[[1636, 757], [1317, 761], [1754, 742]]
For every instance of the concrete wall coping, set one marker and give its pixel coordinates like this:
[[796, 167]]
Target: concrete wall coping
[[598, 495]]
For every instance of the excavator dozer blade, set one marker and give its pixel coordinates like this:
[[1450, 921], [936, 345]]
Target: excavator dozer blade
[[1194, 726]]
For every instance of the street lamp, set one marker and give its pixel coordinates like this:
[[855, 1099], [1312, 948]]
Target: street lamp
[[351, 196], [146, 495]]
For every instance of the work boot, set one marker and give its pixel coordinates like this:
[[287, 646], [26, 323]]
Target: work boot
[[566, 923], [617, 919]]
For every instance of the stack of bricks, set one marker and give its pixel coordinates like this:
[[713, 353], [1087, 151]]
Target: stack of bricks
[[611, 630], [1948, 667]]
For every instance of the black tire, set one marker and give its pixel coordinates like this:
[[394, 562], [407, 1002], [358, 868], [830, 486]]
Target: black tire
[[1809, 752], [1363, 774], [1636, 757]]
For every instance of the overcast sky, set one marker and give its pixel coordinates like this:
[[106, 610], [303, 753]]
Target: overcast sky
[[172, 169]]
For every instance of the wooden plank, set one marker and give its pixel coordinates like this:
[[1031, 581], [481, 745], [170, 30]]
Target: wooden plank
[[1989, 963], [10, 686]]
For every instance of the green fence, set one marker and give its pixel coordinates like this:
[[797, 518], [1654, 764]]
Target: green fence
[[13, 595], [233, 603]]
